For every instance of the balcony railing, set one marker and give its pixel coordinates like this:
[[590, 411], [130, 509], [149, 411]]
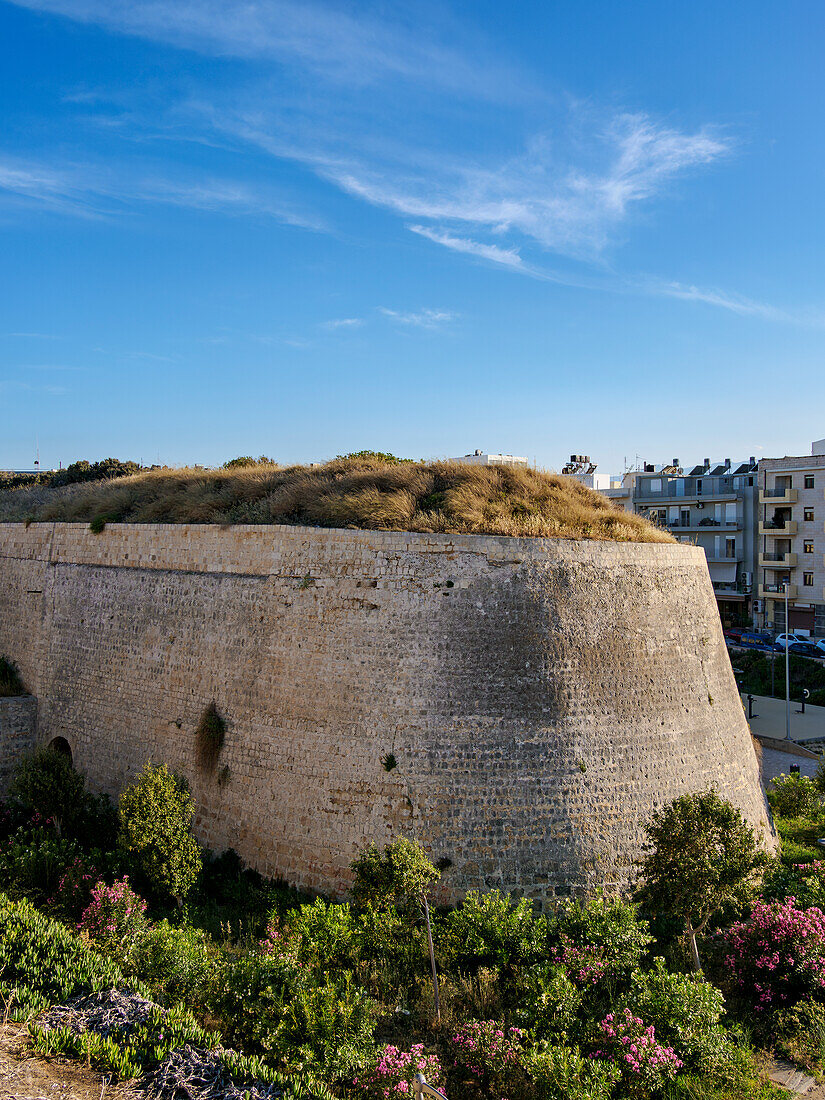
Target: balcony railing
[[778, 529], [778, 496], [777, 591], [778, 561]]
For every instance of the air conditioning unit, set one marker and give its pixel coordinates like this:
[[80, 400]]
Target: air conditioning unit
[[700, 505]]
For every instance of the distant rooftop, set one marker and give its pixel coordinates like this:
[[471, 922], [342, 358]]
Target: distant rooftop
[[481, 458]]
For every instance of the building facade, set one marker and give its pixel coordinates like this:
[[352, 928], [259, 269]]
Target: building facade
[[792, 542], [481, 458]]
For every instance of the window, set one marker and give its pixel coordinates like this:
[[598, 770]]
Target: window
[[808, 515], [655, 485], [699, 487], [730, 548], [684, 517], [808, 546], [809, 481], [750, 481], [808, 579]]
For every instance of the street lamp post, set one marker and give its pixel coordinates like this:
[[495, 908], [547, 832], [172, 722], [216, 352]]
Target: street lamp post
[[787, 668]]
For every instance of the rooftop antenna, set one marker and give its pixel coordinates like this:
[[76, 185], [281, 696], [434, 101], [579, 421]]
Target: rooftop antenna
[[37, 456]]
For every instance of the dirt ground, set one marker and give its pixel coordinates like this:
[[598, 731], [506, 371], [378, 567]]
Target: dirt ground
[[26, 1077]]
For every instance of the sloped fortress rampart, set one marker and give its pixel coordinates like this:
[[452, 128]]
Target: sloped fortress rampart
[[538, 696]]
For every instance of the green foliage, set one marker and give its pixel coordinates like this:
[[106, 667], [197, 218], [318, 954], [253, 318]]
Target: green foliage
[[699, 854], [175, 963], [34, 862], [81, 471], [805, 673], [548, 1003], [43, 963], [373, 457], [10, 682], [800, 1031], [685, 1011], [803, 881], [392, 953], [324, 936], [156, 814], [210, 734], [397, 875], [819, 775], [564, 1073], [45, 783], [271, 1006], [327, 1029], [794, 795], [245, 461], [491, 929], [605, 934], [799, 839], [97, 524]]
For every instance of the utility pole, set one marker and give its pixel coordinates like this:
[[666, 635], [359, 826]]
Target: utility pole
[[787, 668]]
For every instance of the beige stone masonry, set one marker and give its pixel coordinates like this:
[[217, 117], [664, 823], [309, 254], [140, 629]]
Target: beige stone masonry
[[540, 696]]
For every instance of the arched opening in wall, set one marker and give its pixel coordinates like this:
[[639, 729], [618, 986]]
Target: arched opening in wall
[[62, 747]]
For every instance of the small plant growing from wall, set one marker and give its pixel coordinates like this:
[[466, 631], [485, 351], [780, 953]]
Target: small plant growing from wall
[[97, 525], [211, 733]]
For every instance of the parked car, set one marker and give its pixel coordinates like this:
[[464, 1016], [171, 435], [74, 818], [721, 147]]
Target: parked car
[[803, 649], [779, 640], [756, 639], [733, 633]]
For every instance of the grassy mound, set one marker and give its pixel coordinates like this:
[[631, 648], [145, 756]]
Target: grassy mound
[[353, 492]]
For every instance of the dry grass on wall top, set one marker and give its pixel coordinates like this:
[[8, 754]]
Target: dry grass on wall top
[[353, 492]]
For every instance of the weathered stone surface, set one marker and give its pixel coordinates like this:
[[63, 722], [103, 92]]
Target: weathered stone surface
[[18, 717], [540, 696]]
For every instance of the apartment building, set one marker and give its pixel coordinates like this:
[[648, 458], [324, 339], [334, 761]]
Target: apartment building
[[715, 506], [480, 458], [792, 542]]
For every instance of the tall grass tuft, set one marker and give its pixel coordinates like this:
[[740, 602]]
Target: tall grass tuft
[[358, 492]]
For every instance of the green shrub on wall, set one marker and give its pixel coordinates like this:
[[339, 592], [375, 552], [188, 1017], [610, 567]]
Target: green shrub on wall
[[211, 734]]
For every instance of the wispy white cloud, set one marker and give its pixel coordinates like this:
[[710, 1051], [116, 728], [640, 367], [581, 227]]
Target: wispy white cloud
[[356, 47], [425, 318], [507, 256], [541, 196], [343, 322], [92, 191]]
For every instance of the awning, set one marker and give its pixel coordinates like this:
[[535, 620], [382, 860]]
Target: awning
[[722, 571]]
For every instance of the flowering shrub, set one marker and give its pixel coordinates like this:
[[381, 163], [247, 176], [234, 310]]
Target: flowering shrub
[[393, 1070], [795, 796], [777, 957], [803, 881], [603, 937], [491, 1054], [646, 1065], [585, 964], [74, 889], [115, 918]]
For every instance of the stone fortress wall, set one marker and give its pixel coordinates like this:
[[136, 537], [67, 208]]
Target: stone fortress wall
[[540, 696]]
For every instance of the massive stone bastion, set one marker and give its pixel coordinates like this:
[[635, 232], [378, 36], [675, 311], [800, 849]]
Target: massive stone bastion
[[519, 705]]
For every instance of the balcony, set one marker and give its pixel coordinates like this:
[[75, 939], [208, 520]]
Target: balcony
[[774, 531], [777, 591], [778, 561], [778, 496]]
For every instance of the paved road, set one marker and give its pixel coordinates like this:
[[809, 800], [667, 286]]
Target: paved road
[[769, 719], [776, 763]]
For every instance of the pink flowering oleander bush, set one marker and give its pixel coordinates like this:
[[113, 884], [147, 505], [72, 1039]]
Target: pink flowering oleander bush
[[115, 919], [492, 1056], [777, 956], [646, 1064], [803, 881], [392, 1072], [74, 889], [585, 964]]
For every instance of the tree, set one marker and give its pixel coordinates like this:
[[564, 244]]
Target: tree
[[397, 876], [699, 854], [156, 814], [46, 783]]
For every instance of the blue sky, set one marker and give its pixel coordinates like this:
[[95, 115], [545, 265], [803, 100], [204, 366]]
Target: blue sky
[[302, 228]]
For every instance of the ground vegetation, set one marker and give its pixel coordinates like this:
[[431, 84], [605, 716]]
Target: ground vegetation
[[364, 490]]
